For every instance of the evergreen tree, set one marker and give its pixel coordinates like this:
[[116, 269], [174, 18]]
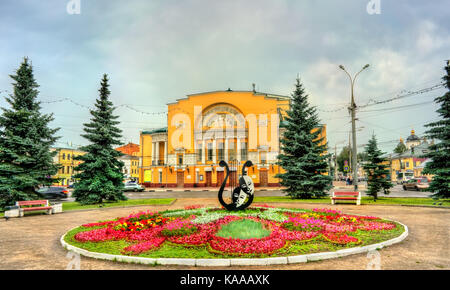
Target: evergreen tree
[[304, 158], [100, 174], [26, 160], [342, 157], [377, 170], [401, 147], [440, 151]]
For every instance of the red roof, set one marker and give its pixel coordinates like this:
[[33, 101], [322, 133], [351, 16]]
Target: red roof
[[129, 149]]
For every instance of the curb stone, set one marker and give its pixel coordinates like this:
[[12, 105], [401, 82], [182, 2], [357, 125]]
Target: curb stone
[[237, 261], [249, 262], [277, 261], [212, 262], [297, 259], [175, 261]]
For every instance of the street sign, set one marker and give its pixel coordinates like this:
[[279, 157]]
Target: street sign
[[346, 168]]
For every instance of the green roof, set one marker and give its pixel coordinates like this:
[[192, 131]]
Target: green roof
[[154, 131]]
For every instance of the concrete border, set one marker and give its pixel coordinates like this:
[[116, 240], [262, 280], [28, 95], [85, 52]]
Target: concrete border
[[237, 261]]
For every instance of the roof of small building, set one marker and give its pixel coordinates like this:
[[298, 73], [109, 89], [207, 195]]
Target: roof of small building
[[416, 151], [154, 131]]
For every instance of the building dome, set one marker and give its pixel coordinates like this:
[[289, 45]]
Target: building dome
[[412, 137]]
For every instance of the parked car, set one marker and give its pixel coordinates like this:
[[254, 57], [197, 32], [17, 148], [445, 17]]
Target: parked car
[[133, 186], [53, 192], [403, 177], [419, 183]]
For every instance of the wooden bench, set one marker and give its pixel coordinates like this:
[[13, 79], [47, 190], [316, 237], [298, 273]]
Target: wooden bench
[[33, 205], [346, 195]]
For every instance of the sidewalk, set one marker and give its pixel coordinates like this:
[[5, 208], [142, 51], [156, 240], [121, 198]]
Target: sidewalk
[[200, 189]]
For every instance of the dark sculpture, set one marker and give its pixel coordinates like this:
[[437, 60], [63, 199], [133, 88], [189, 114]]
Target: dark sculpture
[[242, 195]]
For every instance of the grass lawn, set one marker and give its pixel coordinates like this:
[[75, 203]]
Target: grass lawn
[[364, 200], [68, 206], [131, 202], [243, 229]]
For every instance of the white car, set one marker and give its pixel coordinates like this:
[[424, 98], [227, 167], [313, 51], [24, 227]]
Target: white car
[[133, 186]]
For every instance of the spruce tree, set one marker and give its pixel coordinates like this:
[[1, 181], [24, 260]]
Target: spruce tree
[[401, 147], [377, 170], [439, 153], [100, 174], [303, 157], [26, 161]]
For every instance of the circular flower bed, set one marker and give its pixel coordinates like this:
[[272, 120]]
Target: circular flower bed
[[198, 232]]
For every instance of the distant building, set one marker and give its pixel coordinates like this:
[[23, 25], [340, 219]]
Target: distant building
[[130, 169], [410, 160], [413, 140], [130, 160], [65, 159], [129, 149]]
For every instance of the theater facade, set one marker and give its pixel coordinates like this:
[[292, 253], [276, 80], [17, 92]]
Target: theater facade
[[204, 128]]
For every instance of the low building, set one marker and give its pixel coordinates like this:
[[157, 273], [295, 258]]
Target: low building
[[408, 161], [65, 158], [130, 169], [130, 160]]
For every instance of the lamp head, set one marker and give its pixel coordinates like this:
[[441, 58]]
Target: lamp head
[[366, 66], [341, 67]]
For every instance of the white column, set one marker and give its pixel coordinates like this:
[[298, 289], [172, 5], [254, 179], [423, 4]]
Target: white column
[[214, 151], [153, 152], [157, 152], [203, 151], [226, 148], [238, 149], [165, 152]]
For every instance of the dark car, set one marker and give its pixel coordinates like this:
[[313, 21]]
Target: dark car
[[53, 192], [419, 183]]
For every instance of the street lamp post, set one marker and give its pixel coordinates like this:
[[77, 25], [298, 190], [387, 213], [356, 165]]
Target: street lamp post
[[352, 110]]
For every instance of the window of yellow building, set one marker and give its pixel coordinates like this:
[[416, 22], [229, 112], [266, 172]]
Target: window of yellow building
[[210, 152], [221, 150], [231, 149]]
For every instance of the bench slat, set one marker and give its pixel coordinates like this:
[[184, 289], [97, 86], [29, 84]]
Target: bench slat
[[349, 198], [36, 208], [346, 193], [31, 202]]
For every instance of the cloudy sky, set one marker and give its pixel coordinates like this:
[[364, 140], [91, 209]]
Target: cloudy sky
[[158, 51]]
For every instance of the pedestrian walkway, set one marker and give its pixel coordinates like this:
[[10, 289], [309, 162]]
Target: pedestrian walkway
[[204, 189], [32, 242]]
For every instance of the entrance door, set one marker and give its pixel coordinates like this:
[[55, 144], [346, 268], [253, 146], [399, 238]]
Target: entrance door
[[180, 179], [219, 178], [208, 179], [232, 182], [263, 179]]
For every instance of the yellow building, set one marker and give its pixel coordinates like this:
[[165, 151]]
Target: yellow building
[[409, 163], [208, 127], [65, 159]]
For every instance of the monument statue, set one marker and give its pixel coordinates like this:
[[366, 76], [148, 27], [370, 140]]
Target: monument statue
[[242, 195]]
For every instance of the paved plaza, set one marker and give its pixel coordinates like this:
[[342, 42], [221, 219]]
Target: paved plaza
[[32, 242]]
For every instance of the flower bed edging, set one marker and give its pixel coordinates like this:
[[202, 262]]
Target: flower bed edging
[[237, 261]]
